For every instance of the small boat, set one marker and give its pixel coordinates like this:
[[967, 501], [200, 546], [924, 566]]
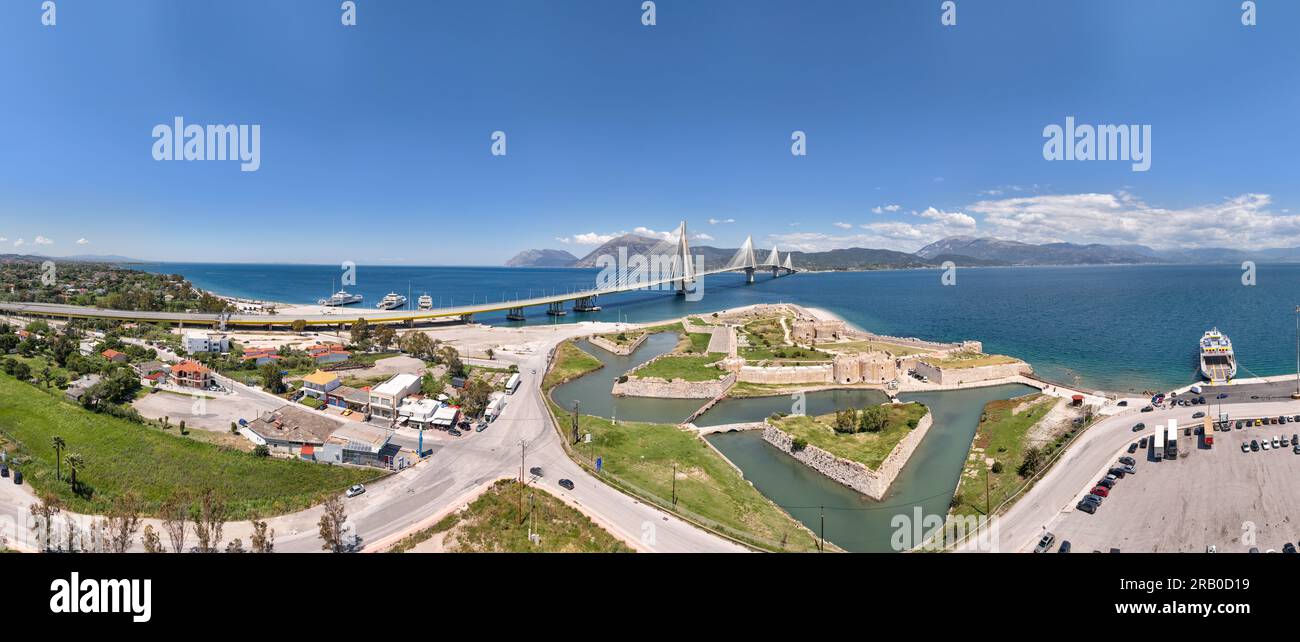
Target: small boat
[[426, 302], [342, 297], [392, 301]]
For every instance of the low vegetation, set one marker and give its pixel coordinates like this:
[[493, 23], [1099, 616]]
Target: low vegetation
[[570, 362], [970, 360], [866, 436], [685, 367], [117, 455], [1003, 436], [493, 524]]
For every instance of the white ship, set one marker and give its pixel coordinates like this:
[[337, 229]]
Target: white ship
[[1218, 363], [392, 301], [342, 297], [426, 302]]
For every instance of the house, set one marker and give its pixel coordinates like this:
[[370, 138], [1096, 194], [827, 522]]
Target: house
[[418, 413], [79, 387], [355, 399], [195, 342], [320, 383], [260, 356], [328, 353], [290, 428], [365, 444], [387, 396], [445, 417], [114, 356], [192, 374]]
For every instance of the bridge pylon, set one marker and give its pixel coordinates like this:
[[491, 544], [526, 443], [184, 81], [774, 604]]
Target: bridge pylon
[[684, 260]]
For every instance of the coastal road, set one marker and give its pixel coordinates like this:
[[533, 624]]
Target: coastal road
[[1084, 462]]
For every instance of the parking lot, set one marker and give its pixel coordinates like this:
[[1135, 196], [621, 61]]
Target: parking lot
[[1216, 496], [217, 411]]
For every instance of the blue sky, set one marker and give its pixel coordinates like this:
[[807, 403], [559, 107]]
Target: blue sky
[[375, 138]]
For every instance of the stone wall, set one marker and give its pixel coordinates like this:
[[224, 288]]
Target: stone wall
[[956, 376], [872, 483], [786, 374], [675, 389], [615, 348]]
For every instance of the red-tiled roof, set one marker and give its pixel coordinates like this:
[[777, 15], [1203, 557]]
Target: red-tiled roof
[[190, 367], [112, 354]]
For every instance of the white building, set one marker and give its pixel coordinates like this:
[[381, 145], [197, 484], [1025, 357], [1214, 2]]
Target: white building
[[418, 413], [195, 342], [387, 396]]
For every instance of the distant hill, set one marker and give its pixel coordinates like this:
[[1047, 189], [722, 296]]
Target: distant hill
[[1002, 252], [542, 258]]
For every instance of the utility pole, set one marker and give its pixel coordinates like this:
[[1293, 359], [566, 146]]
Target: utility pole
[[522, 445], [821, 548], [674, 485]]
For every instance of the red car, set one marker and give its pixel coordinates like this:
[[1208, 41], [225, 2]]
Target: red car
[[1101, 491]]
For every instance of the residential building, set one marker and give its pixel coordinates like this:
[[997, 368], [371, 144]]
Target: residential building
[[191, 374], [260, 356], [386, 397], [290, 427], [418, 413], [114, 356], [79, 387], [328, 353], [445, 417], [354, 399], [365, 444], [320, 383], [196, 341]]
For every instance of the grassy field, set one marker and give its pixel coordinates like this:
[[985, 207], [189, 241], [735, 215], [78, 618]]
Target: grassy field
[[970, 360], [570, 361], [492, 524], [867, 448], [784, 354], [120, 456], [895, 349], [1001, 436], [622, 338], [698, 342], [687, 367], [765, 331], [643, 455]]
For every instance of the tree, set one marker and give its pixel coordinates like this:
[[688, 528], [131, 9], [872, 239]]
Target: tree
[[209, 518], [123, 522], [59, 445], [360, 331], [474, 400], [175, 511], [873, 419], [449, 356], [1032, 462], [46, 507], [263, 540], [332, 525], [74, 461], [152, 543], [384, 336], [22, 371], [235, 546], [271, 376], [418, 345], [299, 325]]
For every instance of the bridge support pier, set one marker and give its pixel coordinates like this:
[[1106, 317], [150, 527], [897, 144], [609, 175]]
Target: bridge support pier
[[586, 304], [410, 323], [749, 275], [515, 314], [556, 309], [466, 318]]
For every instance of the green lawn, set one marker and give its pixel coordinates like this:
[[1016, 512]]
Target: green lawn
[[765, 331], [686, 367], [493, 524], [970, 360], [895, 349], [1002, 436], [121, 455], [643, 455], [622, 338], [867, 448], [699, 342], [570, 361], [784, 354]]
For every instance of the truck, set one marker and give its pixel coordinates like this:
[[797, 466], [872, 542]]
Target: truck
[[1171, 442], [1158, 444], [494, 408], [512, 383]]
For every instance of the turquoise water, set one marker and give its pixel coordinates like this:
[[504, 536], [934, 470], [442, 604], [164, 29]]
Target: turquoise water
[[1111, 327]]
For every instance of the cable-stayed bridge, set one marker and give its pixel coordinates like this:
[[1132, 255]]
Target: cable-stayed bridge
[[668, 265]]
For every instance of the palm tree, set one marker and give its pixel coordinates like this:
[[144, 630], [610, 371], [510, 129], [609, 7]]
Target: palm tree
[[59, 445], [74, 461]]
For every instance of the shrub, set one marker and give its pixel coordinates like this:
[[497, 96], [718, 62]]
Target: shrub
[[797, 444], [997, 467]]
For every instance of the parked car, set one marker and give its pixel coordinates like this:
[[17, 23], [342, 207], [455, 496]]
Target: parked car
[[1130, 469], [18, 477], [1222, 395], [1065, 547], [482, 425], [1296, 449], [1086, 507], [535, 471], [1200, 399], [1285, 442], [1275, 441], [1245, 447], [1107, 483], [1147, 408], [1198, 415], [1094, 499], [1288, 548], [1264, 444], [1045, 544], [1254, 445], [1101, 491], [1128, 461], [454, 432], [355, 489], [566, 484], [1133, 447], [1117, 471], [4, 471], [1139, 426], [1142, 443]]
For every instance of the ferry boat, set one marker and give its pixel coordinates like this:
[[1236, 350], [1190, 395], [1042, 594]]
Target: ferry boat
[[426, 302], [392, 301], [342, 297], [1218, 363]]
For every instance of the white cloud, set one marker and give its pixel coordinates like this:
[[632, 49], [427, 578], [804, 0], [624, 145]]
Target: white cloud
[[590, 238], [41, 240], [595, 238], [715, 221], [19, 243], [881, 209], [3, 239], [843, 226], [83, 241]]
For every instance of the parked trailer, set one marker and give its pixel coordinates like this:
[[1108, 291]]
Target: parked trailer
[[1171, 442], [1158, 444], [512, 383]]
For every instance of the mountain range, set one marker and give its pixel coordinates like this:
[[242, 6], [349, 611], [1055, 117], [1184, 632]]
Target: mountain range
[[962, 250]]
